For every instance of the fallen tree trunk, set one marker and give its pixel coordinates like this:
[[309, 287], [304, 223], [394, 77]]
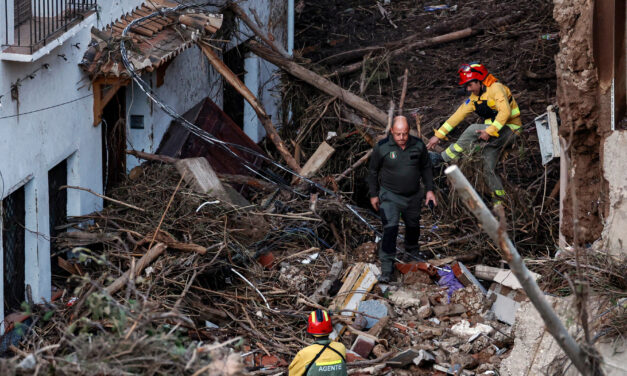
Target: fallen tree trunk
[[430, 42], [320, 82], [232, 79]]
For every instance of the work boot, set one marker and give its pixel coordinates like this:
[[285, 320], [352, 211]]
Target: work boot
[[385, 278], [436, 159]]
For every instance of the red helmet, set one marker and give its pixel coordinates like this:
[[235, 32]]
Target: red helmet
[[472, 71], [319, 323]]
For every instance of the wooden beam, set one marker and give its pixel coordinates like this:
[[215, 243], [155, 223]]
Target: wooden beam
[[101, 99], [238, 85], [320, 82]]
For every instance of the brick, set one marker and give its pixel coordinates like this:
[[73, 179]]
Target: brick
[[352, 356], [266, 260], [363, 346]]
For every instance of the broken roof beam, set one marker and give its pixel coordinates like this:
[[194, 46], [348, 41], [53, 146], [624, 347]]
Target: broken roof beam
[[320, 82], [238, 85]]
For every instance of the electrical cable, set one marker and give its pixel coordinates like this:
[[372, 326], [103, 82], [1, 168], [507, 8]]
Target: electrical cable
[[47, 108], [208, 137]]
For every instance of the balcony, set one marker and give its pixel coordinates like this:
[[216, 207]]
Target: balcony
[[34, 27]]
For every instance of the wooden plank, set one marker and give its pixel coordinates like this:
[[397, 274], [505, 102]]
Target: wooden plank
[[319, 158], [358, 283]]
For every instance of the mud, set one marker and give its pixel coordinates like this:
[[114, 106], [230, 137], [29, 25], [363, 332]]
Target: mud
[[577, 87]]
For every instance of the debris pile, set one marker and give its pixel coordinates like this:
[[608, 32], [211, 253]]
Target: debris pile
[[187, 271]]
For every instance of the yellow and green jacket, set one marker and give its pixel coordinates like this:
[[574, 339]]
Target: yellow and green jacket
[[495, 105], [329, 363]]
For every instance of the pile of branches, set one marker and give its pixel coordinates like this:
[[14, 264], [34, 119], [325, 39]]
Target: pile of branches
[[118, 312], [366, 47]]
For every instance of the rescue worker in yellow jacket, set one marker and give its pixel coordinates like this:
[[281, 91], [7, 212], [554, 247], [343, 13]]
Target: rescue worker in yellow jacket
[[324, 357], [493, 102]]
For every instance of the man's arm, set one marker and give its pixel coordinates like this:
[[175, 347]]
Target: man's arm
[[373, 177], [426, 170], [460, 114], [297, 367]]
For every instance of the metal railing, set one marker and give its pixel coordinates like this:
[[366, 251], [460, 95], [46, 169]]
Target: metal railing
[[36, 22]]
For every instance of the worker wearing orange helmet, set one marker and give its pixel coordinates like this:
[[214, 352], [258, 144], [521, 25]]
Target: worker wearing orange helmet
[[493, 102], [324, 357]]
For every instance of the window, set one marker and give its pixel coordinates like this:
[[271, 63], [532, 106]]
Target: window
[[13, 231]]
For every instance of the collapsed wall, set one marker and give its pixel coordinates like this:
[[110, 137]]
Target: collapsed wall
[[577, 90]]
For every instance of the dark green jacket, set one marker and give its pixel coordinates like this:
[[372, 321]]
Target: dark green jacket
[[400, 171]]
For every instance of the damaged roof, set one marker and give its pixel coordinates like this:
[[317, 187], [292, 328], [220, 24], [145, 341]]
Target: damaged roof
[[154, 42]]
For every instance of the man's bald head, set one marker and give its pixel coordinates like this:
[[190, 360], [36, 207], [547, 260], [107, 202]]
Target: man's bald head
[[400, 131], [400, 123]]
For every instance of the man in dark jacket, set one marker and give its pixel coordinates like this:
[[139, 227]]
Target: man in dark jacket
[[397, 166]]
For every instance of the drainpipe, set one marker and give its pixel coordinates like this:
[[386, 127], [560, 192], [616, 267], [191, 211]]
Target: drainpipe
[[290, 27]]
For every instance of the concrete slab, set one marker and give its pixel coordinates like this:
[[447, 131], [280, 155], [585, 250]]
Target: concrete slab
[[505, 309]]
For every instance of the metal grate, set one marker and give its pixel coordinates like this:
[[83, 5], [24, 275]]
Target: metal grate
[[13, 214], [39, 21]]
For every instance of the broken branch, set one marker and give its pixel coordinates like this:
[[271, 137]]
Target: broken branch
[[492, 227]]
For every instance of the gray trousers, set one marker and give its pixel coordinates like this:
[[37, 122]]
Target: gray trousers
[[490, 152]]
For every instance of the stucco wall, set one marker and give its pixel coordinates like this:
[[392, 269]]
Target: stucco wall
[[55, 123], [263, 77], [188, 79], [615, 231]]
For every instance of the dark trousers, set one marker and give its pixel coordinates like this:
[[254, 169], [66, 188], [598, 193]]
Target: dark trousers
[[392, 208]]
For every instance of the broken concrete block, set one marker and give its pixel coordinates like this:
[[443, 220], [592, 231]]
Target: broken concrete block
[[465, 276], [486, 272], [470, 297], [463, 329], [363, 346], [198, 173], [505, 309], [424, 358], [424, 312], [374, 308], [430, 331], [404, 298], [403, 358], [448, 309]]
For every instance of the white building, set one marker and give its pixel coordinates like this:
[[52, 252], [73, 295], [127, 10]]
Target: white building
[[50, 129]]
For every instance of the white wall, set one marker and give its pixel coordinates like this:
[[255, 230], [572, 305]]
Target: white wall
[[262, 77], [55, 123], [188, 80], [615, 229]]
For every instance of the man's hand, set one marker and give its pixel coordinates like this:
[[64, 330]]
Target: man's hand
[[433, 142], [430, 197], [374, 201], [482, 134]]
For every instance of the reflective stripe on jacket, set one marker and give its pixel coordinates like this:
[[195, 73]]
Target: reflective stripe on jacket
[[329, 363], [495, 105]]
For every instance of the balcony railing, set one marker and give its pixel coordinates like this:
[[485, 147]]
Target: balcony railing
[[36, 22]]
